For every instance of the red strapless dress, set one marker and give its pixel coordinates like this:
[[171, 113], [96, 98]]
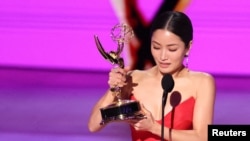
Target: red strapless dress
[[180, 117]]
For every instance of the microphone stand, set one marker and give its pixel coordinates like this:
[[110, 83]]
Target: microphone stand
[[164, 99]]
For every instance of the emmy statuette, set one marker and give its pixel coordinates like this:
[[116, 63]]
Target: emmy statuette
[[121, 109]]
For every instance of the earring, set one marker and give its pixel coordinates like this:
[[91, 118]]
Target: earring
[[186, 61]]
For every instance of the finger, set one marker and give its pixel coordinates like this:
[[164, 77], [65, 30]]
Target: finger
[[122, 71], [117, 77], [144, 110], [114, 75], [132, 123], [127, 68], [116, 82], [120, 75]]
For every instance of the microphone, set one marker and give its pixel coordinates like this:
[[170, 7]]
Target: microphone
[[167, 84]]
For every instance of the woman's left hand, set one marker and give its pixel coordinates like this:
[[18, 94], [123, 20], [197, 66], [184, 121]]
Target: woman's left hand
[[146, 123]]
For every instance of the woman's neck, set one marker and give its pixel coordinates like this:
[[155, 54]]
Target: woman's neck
[[182, 70]]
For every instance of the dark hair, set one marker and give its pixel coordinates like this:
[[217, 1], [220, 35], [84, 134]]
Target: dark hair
[[175, 22]]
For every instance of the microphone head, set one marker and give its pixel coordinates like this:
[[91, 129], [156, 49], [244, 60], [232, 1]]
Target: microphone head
[[167, 83]]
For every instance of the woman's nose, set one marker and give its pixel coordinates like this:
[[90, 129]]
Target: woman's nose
[[164, 54]]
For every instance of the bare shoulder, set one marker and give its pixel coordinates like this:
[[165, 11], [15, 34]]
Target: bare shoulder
[[201, 76], [139, 75], [204, 82]]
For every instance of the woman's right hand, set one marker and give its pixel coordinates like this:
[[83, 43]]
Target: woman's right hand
[[117, 77]]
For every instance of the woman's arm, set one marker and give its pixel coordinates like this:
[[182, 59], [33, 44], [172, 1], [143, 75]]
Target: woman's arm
[[117, 78], [95, 116]]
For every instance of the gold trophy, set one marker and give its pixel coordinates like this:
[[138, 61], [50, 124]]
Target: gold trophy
[[121, 109]]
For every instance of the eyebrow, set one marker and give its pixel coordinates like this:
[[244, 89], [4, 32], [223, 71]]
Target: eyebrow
[[168, 45]]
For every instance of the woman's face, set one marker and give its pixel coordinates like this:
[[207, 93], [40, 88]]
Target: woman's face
[[168, 51]]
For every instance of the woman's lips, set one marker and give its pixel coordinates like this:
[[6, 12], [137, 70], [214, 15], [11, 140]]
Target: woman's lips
[[164, 65]]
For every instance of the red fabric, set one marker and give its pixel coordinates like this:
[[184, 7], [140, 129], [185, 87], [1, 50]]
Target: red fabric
[[182, 120]]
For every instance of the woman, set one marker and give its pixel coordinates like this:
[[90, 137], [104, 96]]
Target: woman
[[187, 119]]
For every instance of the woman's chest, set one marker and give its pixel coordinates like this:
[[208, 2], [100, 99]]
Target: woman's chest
[[151, 96]]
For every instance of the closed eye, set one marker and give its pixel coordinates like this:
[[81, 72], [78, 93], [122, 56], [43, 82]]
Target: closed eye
[[172, 50], [156, 48]]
